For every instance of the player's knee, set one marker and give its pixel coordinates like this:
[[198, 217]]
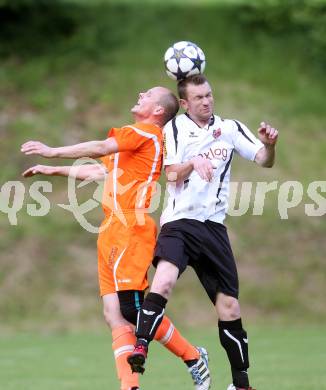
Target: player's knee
[[233, 308], [107, 317], [164, 287], [165, 278], [168, 287], [111, 311], [113, 318], [228, 308]]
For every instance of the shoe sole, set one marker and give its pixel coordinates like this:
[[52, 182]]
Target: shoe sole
[[137, 362]]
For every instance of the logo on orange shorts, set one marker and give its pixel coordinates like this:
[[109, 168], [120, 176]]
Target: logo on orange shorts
[[112, 256]]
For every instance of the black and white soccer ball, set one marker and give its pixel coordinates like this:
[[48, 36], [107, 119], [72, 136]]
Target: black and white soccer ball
[[184, 59]]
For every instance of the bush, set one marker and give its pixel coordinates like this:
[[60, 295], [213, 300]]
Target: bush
[[305, 18], [28, 27]]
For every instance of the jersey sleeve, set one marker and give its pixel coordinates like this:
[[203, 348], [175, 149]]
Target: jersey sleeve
[[245, 143], [105, 160], [171, 144], [128, 138]]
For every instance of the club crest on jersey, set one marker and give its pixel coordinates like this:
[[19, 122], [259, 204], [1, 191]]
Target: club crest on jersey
[[217, 133]]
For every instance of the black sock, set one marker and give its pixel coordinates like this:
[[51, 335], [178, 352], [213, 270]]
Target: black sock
[[240, 378], [234, 340], [150, 316], [190, 363]]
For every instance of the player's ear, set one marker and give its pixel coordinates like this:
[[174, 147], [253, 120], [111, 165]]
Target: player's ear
[[183, 104], [159, 110]]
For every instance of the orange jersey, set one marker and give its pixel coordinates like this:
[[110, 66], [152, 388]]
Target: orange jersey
[[134, 170], [127, 237]]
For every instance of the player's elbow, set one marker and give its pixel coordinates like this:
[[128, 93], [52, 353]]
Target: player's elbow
[[264, 159], [265, 163], [109, 146], [268, 164]]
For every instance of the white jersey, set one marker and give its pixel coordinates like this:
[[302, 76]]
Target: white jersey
[[195, 198]]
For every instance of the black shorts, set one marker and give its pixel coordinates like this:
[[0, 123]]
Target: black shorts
[[205, 246]]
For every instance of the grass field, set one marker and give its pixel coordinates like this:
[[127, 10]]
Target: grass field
[[282, 358], [73, 89]]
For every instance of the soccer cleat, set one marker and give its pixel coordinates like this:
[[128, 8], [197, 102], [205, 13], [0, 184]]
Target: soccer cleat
[[200, 372], [134, 388], [137, 358], [232, 387]]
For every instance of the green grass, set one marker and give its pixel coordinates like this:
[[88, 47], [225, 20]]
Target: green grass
[[281, 358]]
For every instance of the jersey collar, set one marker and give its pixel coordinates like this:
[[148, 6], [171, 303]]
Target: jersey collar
[[207, 126]]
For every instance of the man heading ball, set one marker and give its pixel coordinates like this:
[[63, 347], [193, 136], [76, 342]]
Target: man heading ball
[[199, 151]]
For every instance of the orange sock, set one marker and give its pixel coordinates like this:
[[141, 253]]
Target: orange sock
[[123, 341], [170, 337]]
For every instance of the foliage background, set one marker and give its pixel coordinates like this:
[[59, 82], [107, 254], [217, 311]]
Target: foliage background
[[71, 69]]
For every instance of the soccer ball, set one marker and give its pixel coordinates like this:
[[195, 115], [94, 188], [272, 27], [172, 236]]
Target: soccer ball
[[184, 59]]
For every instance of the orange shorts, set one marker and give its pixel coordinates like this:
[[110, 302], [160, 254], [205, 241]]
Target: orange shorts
[[125, 252]]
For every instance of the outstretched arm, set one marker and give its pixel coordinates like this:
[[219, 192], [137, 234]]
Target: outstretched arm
[[81, 172], [265, 156], [93, 149]]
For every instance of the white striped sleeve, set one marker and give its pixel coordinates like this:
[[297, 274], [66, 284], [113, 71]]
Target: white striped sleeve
[[245, 143], [172, 144]]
